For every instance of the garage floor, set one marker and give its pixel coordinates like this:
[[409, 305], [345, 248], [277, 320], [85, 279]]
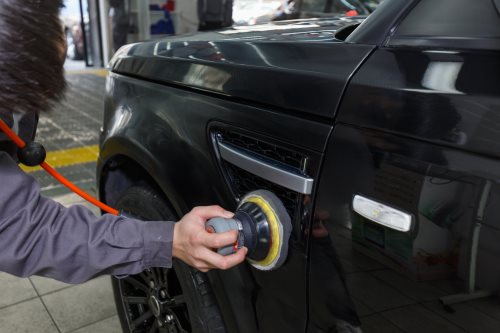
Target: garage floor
[[43, 305]]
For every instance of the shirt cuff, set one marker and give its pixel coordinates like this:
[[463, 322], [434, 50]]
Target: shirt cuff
[[158, 238]]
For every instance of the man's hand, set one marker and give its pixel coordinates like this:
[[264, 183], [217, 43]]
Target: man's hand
[[195, 246]]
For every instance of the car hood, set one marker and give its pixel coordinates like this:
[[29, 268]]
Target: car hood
[[297, 65]]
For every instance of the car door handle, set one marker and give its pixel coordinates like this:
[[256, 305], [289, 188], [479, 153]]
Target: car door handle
[[266, 168]]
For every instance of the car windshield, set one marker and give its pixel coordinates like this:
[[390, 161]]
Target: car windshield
[[312, 8]]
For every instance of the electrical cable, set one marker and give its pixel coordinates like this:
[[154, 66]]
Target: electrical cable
[[60, 178]]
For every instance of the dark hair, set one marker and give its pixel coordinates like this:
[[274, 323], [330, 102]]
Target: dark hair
[[32, 52]]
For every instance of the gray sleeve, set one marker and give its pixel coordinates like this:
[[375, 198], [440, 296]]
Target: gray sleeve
[[41, 237]]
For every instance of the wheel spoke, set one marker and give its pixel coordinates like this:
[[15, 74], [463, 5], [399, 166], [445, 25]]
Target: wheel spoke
[[178, 300], [145, 316], [155, 275], [146, 276], [136, 300], [165, 275], [136, 284], [179, 327], [162, 277]]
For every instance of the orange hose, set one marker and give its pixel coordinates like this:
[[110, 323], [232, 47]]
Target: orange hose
[[76, 189], [21, 144]]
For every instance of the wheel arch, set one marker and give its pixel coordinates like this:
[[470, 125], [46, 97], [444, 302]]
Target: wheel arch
[[124, 163]]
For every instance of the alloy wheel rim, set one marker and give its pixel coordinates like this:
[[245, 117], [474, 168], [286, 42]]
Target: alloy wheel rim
[[154, 302]]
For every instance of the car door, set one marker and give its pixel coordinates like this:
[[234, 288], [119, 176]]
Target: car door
[[405, 233]]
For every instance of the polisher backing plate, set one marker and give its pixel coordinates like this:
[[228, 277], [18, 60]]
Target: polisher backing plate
[[280, 227]]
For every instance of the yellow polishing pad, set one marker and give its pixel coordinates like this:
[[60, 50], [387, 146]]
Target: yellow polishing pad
[[279, 228]]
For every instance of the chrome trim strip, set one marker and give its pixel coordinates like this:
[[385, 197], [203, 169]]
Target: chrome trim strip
[[264, 169]]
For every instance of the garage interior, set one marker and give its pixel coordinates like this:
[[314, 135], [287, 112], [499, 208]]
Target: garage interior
[[70, 133]]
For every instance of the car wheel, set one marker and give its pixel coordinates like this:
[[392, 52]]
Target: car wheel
[[177, 299]]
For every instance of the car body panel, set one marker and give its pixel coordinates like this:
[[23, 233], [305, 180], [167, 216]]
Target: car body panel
[[264, 69], [179, 155], [397, 280], [447, 97], [417, 131], [412, 127]]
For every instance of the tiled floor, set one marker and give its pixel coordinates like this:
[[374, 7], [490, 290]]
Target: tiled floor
[[39, 304], [74, 122]]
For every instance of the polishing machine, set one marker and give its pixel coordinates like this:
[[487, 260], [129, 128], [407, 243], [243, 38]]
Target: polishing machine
[[263, 226]]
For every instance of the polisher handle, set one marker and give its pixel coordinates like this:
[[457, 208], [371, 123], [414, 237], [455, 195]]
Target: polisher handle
[[220, 224]]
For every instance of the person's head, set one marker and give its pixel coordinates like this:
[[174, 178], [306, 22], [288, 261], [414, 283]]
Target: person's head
[[32, 52]]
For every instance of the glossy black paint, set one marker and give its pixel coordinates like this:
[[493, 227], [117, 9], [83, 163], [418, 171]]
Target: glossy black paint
[[155, 126], [264, 67], [417, 130], [395, 279], [411, 125], [447, 97]]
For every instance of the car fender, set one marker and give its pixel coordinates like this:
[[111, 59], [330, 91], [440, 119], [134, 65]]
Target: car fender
[[127, 147]]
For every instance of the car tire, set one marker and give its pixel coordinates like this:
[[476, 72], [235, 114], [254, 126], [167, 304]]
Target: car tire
[[177, 299]]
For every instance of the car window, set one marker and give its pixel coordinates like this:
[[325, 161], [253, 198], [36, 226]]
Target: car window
[[450, 20]]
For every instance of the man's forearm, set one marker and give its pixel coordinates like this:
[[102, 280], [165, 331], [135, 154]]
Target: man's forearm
[[39, 236]]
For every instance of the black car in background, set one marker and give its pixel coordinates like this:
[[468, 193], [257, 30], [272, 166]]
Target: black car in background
[[396, 118]]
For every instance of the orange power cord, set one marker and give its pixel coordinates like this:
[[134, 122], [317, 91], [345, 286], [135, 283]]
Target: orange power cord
[[21, 144]]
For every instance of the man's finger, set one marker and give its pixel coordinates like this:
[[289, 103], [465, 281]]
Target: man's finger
[[235, 258], [224, 262], [218, 240], [207, 212]]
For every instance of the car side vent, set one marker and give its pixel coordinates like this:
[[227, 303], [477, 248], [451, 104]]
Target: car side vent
[[243, 182], [273, 151], [249, 163]]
